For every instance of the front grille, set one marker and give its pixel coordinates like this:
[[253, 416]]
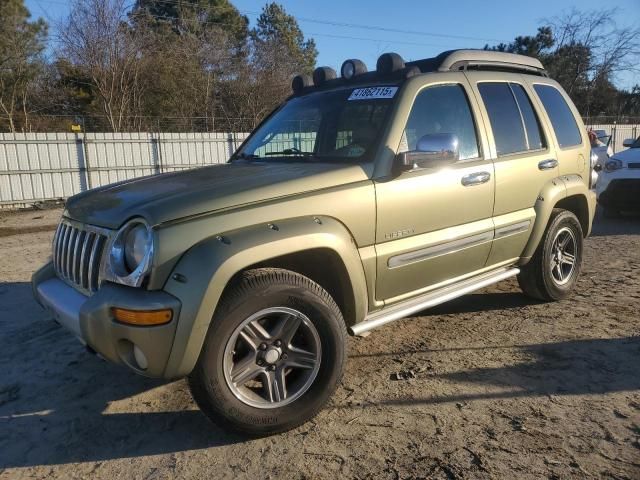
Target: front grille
[[77, 254], [634, 165]]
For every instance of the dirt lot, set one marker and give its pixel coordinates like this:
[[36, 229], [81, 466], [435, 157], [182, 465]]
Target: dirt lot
[[497, 387]]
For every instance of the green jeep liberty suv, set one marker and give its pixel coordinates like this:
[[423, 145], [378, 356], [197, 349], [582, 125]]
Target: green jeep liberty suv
[[361, 200]]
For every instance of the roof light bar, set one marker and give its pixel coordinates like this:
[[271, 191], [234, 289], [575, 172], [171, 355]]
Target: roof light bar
[[300, 82], [389, 63], [323, 74], [352, 68]]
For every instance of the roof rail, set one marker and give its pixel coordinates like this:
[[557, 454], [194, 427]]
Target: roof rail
[[480, 60]]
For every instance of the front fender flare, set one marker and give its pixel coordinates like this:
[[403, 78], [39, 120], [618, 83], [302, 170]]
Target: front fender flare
[[203, 272]]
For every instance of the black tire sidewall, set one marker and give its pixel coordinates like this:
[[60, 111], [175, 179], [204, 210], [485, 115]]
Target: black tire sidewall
[[563, 219], [221, 404]]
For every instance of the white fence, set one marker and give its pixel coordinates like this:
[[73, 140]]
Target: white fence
[[36, 167], [618, 133]]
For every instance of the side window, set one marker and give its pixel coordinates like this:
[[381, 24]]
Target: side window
[[535, 138], [442, 109], [564, 124], [514, 122], [506, 123]]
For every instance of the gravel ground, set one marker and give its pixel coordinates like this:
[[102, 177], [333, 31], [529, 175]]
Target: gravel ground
[[492, 385]]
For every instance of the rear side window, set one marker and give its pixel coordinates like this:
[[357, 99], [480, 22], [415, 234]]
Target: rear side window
[[533, 130], [564, 124], [514, 123]]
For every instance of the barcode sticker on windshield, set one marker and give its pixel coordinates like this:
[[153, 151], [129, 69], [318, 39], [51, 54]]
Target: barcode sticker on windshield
[[373, 92]]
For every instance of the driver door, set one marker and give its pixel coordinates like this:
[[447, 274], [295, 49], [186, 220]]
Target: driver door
[[434, 224]]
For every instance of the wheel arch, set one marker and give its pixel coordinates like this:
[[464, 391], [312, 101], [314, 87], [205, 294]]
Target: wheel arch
[[324, 266], [568, 192], [203, 273]]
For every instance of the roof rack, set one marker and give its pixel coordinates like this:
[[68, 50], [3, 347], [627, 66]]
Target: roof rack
[[454, 60]]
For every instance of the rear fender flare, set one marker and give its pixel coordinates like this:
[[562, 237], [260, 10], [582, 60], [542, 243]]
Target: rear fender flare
[[551, 193]]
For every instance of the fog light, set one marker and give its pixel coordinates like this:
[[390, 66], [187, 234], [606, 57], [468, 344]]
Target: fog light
[[141, 360], [142, 317]]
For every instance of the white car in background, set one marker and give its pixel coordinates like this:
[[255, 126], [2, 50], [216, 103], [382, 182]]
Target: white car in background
[[601, 146], [618, 185]]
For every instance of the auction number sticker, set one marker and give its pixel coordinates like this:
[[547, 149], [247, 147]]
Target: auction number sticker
[[373, 92]]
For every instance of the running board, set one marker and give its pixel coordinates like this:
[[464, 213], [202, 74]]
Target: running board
[[431, 299]]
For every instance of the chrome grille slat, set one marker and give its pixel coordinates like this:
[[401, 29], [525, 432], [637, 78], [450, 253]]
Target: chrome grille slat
[[56, 246], [77, 252], [94, 267], [69, 254], [65, 250], [84, 264], [56, 240]]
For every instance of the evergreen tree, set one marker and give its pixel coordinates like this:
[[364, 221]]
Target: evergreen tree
[[21, 45]]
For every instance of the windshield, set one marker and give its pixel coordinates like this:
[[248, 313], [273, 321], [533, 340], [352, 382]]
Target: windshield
[[636, 144], [343, 125]]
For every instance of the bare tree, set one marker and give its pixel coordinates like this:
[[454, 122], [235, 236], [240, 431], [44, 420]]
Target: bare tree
[[602, 49], [97, 38]]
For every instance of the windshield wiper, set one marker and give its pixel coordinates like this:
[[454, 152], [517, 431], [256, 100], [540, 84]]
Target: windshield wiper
[[290, 151]]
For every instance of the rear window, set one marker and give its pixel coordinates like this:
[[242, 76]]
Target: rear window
[[562, 120]]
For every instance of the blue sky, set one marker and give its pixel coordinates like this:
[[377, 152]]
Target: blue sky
[[427, 27]]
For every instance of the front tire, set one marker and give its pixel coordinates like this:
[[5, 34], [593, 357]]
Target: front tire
[[553, 271], [273, 355]]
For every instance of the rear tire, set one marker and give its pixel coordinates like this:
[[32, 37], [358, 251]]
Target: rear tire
[[553, 271], [273, 356]]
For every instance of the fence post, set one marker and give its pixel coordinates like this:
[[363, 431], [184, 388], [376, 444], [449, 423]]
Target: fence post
[[231, 143], [85, 152], [614, 132]]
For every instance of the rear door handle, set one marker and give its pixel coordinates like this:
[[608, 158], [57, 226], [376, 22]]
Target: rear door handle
[[548, 164], [476, 178]]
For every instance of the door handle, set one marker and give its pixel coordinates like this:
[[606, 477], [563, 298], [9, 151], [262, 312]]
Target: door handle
[[476, 178], [548, 164]]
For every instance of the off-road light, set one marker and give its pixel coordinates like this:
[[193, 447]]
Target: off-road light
[[323, 74], [389, 63], [300, 82], [352, 68], [142, 318]]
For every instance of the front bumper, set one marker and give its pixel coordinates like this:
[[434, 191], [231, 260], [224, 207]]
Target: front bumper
[[619, 189], [621, 194], [91, 321]]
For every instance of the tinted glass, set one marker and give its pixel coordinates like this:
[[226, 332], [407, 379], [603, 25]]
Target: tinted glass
[[564, 124], [326, 126], [442, 109], [506, 123], [531, 123]]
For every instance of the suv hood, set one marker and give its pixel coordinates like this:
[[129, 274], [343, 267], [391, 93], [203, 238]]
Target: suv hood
[[165, 197], [628, 155]]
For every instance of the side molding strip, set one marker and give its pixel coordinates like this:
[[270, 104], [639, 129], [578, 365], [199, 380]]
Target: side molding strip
[[513, 229], [439, 250], [431, 299]]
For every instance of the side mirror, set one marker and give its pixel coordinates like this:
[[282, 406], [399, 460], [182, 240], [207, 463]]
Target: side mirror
[[628, 142], [435, 150]]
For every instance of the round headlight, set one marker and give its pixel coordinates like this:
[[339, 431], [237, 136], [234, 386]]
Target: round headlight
[[136, 246], [131, 254]]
